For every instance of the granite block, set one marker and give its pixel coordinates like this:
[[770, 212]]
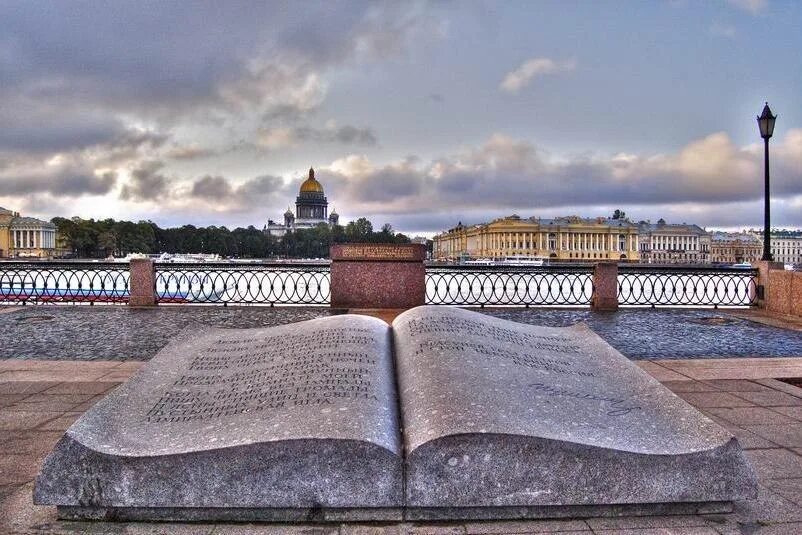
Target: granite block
[[386, 276], [377, 285], [779, 291], [605, 286], [298, 418], [142, 281], [504, 415], [796, 294]]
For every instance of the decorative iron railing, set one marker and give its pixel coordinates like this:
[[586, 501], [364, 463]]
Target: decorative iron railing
[[63, 282], [241, 283], [688, 286], [509, 285], [309, 284]]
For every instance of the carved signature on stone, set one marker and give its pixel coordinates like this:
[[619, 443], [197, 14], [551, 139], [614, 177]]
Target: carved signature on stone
[[616, 404]]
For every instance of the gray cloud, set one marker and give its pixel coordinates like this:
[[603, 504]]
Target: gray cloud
[[146, 183], [166, 60], [279, 138], [227, 197], [69, 182], [212, 188]]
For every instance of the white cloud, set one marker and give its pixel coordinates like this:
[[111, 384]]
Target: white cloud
[[522, 76], [752, 6]]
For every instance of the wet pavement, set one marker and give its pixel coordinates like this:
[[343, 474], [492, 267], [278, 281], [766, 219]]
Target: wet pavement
[[643, 333], [123, 333]]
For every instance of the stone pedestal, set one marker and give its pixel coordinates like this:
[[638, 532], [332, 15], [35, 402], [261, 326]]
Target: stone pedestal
[[605, 287], [378, 275], [763, 283], [142, 283]]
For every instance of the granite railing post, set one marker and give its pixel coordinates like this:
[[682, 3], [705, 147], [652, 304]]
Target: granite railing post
[[769, 297], [378, 275], [605, 287], [142, 281]]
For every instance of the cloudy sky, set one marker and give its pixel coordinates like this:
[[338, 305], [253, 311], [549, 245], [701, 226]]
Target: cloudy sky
[[412, 113]]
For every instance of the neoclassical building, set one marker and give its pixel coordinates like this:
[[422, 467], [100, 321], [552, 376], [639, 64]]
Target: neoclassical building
[[311, 207], [25, 237], [735, 247], [569, 238], [670, 243], [786, 249]]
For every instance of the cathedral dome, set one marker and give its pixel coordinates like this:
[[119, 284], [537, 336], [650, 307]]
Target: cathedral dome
[[311, 185]]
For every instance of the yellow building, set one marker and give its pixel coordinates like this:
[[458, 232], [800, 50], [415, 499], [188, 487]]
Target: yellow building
[[572, 239], [25, 237]]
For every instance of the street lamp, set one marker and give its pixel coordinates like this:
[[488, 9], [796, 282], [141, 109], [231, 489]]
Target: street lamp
[[766, 122]]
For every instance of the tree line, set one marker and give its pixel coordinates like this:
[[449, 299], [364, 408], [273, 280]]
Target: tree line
[[89, 238]]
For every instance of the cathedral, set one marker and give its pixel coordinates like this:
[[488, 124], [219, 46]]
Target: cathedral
[[311, 209]]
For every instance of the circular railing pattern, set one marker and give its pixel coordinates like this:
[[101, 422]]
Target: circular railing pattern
[[63, 282], [495, 285], [275, 284], [687, 286]]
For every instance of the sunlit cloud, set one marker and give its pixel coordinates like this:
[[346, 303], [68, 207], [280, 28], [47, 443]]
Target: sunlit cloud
[[521, 77]]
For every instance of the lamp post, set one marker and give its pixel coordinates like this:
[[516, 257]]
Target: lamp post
[[766, 123]]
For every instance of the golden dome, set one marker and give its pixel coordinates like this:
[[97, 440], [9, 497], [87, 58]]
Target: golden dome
[[311, 185]]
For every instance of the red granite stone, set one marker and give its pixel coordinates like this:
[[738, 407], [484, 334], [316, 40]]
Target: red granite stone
[[605, 286], [378, 275], [143, 283], [796, 293], [778, 293]]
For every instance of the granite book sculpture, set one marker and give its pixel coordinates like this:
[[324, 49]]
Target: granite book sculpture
[[445, 414]]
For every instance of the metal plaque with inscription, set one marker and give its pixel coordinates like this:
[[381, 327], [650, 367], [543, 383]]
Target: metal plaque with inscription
[[492, 419]]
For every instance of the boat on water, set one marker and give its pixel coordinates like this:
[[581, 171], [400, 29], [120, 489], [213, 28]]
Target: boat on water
[[523, 260], [742, 265], [514, 260]]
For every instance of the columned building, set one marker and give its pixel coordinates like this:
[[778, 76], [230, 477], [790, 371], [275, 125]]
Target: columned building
[[311, 209], [564, 238], [786, 249], [25, 237], [735, 248], [667, 243]]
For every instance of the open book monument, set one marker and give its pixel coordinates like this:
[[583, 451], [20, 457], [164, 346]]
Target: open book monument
[[447, 414]]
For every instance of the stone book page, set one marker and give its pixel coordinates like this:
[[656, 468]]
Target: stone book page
[[294, 416], [497, 413]]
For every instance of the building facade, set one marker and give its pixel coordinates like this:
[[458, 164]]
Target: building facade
[[735, 248], [564, 239], [25, 237], [311, 207], [786, 249], [666, 243]]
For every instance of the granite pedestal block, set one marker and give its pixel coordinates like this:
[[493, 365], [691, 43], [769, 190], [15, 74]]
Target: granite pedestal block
[[504, 415], [378, 275], [142, 282], [605, 287]]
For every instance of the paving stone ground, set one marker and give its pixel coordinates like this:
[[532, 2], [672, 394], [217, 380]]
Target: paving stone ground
[[40, 399], [124, 333]]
